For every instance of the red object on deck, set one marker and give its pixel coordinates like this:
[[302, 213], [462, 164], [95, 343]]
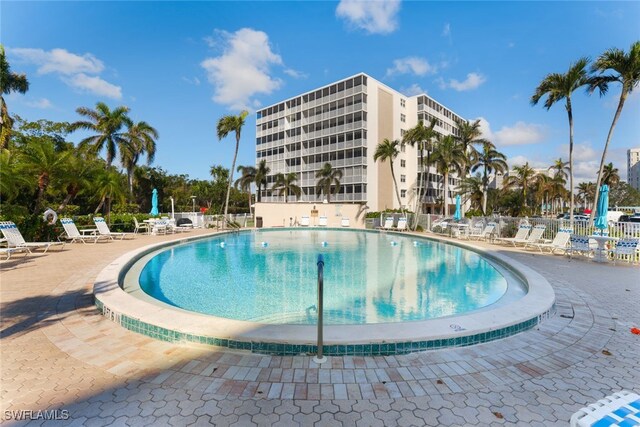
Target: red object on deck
[[587, 211], [635, 331], [203, 210]]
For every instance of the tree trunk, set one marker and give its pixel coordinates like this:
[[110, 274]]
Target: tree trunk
[[233, 166], [485, 190], [445, 196], [130, 180], [570, 114], [623, 97], [99, 205], [395, 184]]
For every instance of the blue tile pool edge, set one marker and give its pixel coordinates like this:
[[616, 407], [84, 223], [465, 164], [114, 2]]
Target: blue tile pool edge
[[281, 349]]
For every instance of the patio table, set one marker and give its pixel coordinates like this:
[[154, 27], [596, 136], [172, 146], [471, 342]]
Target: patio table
[[600, 253]]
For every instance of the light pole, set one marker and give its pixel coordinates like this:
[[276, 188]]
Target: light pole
[[193, 203]]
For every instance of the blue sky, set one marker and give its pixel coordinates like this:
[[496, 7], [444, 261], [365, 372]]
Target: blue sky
[[182, 65]]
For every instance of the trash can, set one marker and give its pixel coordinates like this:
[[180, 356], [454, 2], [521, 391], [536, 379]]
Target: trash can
[[258, 222]]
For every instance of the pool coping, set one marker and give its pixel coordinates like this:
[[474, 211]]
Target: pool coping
[[176, 325]]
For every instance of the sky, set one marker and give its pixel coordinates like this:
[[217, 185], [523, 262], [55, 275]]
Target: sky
[[181, 66]]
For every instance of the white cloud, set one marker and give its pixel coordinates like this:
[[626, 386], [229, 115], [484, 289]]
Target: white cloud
[[94, 85], [521, 160], [375, 17], [42, 103], [242, 70], [194, 81], [520, 133], [446, 31], [473, 81], [78, 71], [412, 90], [411, 65], [295, 74]]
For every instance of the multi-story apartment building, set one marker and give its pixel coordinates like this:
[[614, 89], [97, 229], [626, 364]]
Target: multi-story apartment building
[[633, 167], [341, 124]]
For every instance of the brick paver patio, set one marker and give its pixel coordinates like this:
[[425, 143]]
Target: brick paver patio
[[58, 353]]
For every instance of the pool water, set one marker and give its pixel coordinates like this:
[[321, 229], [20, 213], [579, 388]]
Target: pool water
[[369, 277]]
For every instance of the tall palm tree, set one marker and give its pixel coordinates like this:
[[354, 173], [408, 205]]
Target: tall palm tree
[[490, 160], [626, 69], [448, 156], [9, 82], [106, 124], [388, 150], [542, 189], [586, 191], [610, 174], [285, 184], [328, 181], [109, 185], [422, 136], [11, 177], [560, 168], [524, 177], [469, 135], [140, 139], [473, 188], [226, 125], [248, 177], [262, 172], [556, 87]]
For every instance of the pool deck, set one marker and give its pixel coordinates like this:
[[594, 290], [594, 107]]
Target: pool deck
[[58, 352]]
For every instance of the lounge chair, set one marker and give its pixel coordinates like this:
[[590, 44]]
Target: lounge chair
[[520, 237], [402, 224], [15, 239], [579, 244], [535, 236], [619, 409], [174, 227], [71, 232], [625, 249], [103, 229], [322, 221], [304, 221], [9, 251], [345, 222], [388, 223], [559, 242], [160, 226], [475, 230], [140, 227], [486, 233]]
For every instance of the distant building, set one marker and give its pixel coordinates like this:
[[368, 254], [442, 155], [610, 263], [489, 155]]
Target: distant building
[[341, 124], [496, 180], [633, 167]]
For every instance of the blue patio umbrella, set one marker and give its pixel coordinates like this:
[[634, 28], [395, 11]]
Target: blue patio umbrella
[[154, 203], [602, 208], [458, 215]]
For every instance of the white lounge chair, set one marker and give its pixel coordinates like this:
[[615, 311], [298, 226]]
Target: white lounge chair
[[625, 249], [103, 229], [520, 237], [15, 239], [388, 223], [9, 251], [71, 232], [559, 242], [619, 409], [322, 221], [402, 224], [579, 244], [345, 222], [304, 221], [486, 233], [140, 227], [475, 230], [535, 236], [160, 226]]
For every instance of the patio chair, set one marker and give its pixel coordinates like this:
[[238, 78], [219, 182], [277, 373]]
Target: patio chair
[[72, 233], [486, 233], [103, 229], [322, 221], [619, 409], [160, 226], [175, 228], [402, 224], [520, 237], [475, 230], [140, 227], [15, 239], [536, 235], [625, 249], [304, 221], [9, 251], [559, 243], [345, 222], [388, 223], [579, 244]]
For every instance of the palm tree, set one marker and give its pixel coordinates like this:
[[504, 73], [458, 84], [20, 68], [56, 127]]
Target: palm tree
[[261, 177], [448, 156], [523, 178], [107, 126], [77, 177], [140, 139], [109, 185], [11, 177], [469, 134], [557, 87], [247, 178], [328, 181], [560, 167], [542, 189], [422, 136], [586, 191], [285, 184], [9, 82], [627, 73], [388, 150], [473, 188], [226, 125], [610, 175], [490, 160]]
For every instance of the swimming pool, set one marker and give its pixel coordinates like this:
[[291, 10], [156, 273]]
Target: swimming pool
[[369, 277], [396, 306]]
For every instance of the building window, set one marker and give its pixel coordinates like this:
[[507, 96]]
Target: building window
[[403, 103], [403, 193], [403, 163], [402, 132], [403, 148], [403, 178], [403, 118]]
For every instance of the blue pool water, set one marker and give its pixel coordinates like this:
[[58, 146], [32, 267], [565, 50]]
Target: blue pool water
[[369, 277]]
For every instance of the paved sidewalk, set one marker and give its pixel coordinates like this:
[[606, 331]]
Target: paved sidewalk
[[57, 352]]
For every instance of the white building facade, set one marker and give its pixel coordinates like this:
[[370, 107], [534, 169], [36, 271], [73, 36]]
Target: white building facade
[[341, 124], [633, 167]]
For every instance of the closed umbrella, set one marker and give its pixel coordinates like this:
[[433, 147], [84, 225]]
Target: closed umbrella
[[457, 216], [154, 202], [602, 208]]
